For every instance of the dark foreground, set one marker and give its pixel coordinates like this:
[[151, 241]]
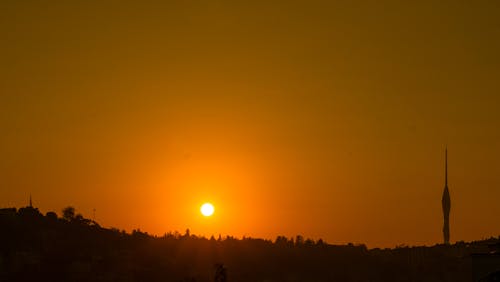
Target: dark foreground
[[34, 247]]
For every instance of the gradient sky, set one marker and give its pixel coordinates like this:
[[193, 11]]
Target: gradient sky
[[317, 118]]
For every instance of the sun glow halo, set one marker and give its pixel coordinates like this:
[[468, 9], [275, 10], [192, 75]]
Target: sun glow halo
[[207, 209]]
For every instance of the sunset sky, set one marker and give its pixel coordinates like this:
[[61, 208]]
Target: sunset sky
[[327, 119]]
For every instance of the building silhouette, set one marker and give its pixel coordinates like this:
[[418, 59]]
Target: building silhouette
[[446, 203]]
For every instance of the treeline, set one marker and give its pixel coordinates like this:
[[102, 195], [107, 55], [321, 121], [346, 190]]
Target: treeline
[[36, 247]]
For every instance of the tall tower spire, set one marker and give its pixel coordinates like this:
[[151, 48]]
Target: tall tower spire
[[446, 167], [31, 203], [446, 202]]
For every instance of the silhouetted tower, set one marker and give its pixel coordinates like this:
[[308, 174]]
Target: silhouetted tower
[[445, 201], [31, 203]]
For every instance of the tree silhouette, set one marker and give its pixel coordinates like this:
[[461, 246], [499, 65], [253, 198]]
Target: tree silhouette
[[299, 240], [68, 213], [51, 215], [44, 248]]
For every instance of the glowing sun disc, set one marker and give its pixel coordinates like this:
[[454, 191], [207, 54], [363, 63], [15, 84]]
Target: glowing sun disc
[[207, 209]]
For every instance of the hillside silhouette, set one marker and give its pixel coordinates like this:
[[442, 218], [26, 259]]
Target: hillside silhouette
[[37, 247]]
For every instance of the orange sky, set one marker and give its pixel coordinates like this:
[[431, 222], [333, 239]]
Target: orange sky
[[327, 120]]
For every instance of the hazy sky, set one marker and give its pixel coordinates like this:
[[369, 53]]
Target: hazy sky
[[327, 119]]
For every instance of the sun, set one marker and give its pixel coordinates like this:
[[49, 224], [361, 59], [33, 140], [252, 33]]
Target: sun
[[207, 209]]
